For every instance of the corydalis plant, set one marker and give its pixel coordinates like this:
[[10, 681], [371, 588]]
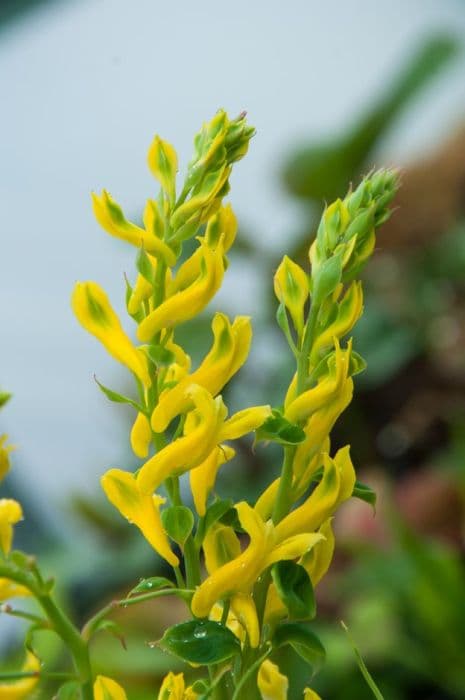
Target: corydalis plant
[[243, 602]]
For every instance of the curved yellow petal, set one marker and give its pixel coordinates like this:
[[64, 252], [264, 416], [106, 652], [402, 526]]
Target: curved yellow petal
[[222, 224], [349, 311], [231, 344], [293, 547], [108, 689], [317, 561], [139, 508], [10, 589], [244, 609], [141, 436], [110, 217], [318, 506], [244, 422], [95, 313], [292, 289], [187, 303], [201, 435], [173, 687], [163, 164], [272, 684], [4, 456], [22, 688], [266, 501], [10, 514], [203, 477], [310, 694], [240, 574], [275, 609], [142, 291], [220, 546]]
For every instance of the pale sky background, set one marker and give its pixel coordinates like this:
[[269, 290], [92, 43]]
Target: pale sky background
[[85, 85]]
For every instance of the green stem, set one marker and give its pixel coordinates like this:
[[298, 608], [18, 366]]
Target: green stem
[[190, 551], [307, 341], [284, 495], [248, 674]]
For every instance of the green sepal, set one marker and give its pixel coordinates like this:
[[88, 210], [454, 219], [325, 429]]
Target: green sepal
[[147, 585], [144, 266], [118, 398], [201, 642], [71, 690], [214, 513], [295, 589], [139, 315], [112, 628], [278, 429], [161, 356], [326, 278], [304, 642], [178, 522], [283, 323], [364, 493]]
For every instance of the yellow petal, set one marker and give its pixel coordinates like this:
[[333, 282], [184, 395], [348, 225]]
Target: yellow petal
[[318, 506], [153, 221], [349, 311], [110, 216], [108, 689], [187, 303], [293, 547], [231, 343], [275, 609], [172, 687], [10, 589], [244, 609], [94, 312], [141, 436], [317, 561], [220, 546], [10, 514], [163, 164], [223, 223], [142, 290], [244, 422], [139, 508], [22, 688], [292, 289], [240, 574], [272, 684], [4, 456], [203, 477], [201, 435], [310, 694], [265, 503]]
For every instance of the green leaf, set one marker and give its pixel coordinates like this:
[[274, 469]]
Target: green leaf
[[112, 627], [362, 666], [159, 355], [357, 364], [278, 429], [178, 522], [117, 398], [214, 513], [144, 266], [71, 690], [303, 641], [365, 493], [295, 589], [147, 585], [201, 642], [283, 323], [326, 279]]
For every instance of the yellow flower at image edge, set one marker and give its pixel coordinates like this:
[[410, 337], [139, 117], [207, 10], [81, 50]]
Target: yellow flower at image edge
[[108, 689], [24, 687], [174, 688], [272, 684], [94, 312], [4, 456], [10, 514]]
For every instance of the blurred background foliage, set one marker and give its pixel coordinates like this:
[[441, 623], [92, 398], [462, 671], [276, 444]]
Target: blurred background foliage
[[398, 580]]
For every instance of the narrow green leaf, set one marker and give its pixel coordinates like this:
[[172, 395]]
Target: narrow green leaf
[[112, 628], [201, 642], [283, 323], [362, 666], [365, 493], [71, 690], [278, 429], [303, 641], [326, 279], [154, 583], [178, 522], [144, 266], [295, 589], [117, 398]]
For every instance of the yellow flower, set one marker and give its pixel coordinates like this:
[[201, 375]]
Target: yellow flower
[[203, 477], [94, 312], [10, 514], [240, 574], [229, 351], [10, 589], [349, 310], [4, 456], [22, 688], [292, 289], [163, 163], [140, 508], [335, 486], [190, 301], [310, 694], [141, 436], [108, 689], [272, 684], [174, 688], [317, 561], [110, 217]]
